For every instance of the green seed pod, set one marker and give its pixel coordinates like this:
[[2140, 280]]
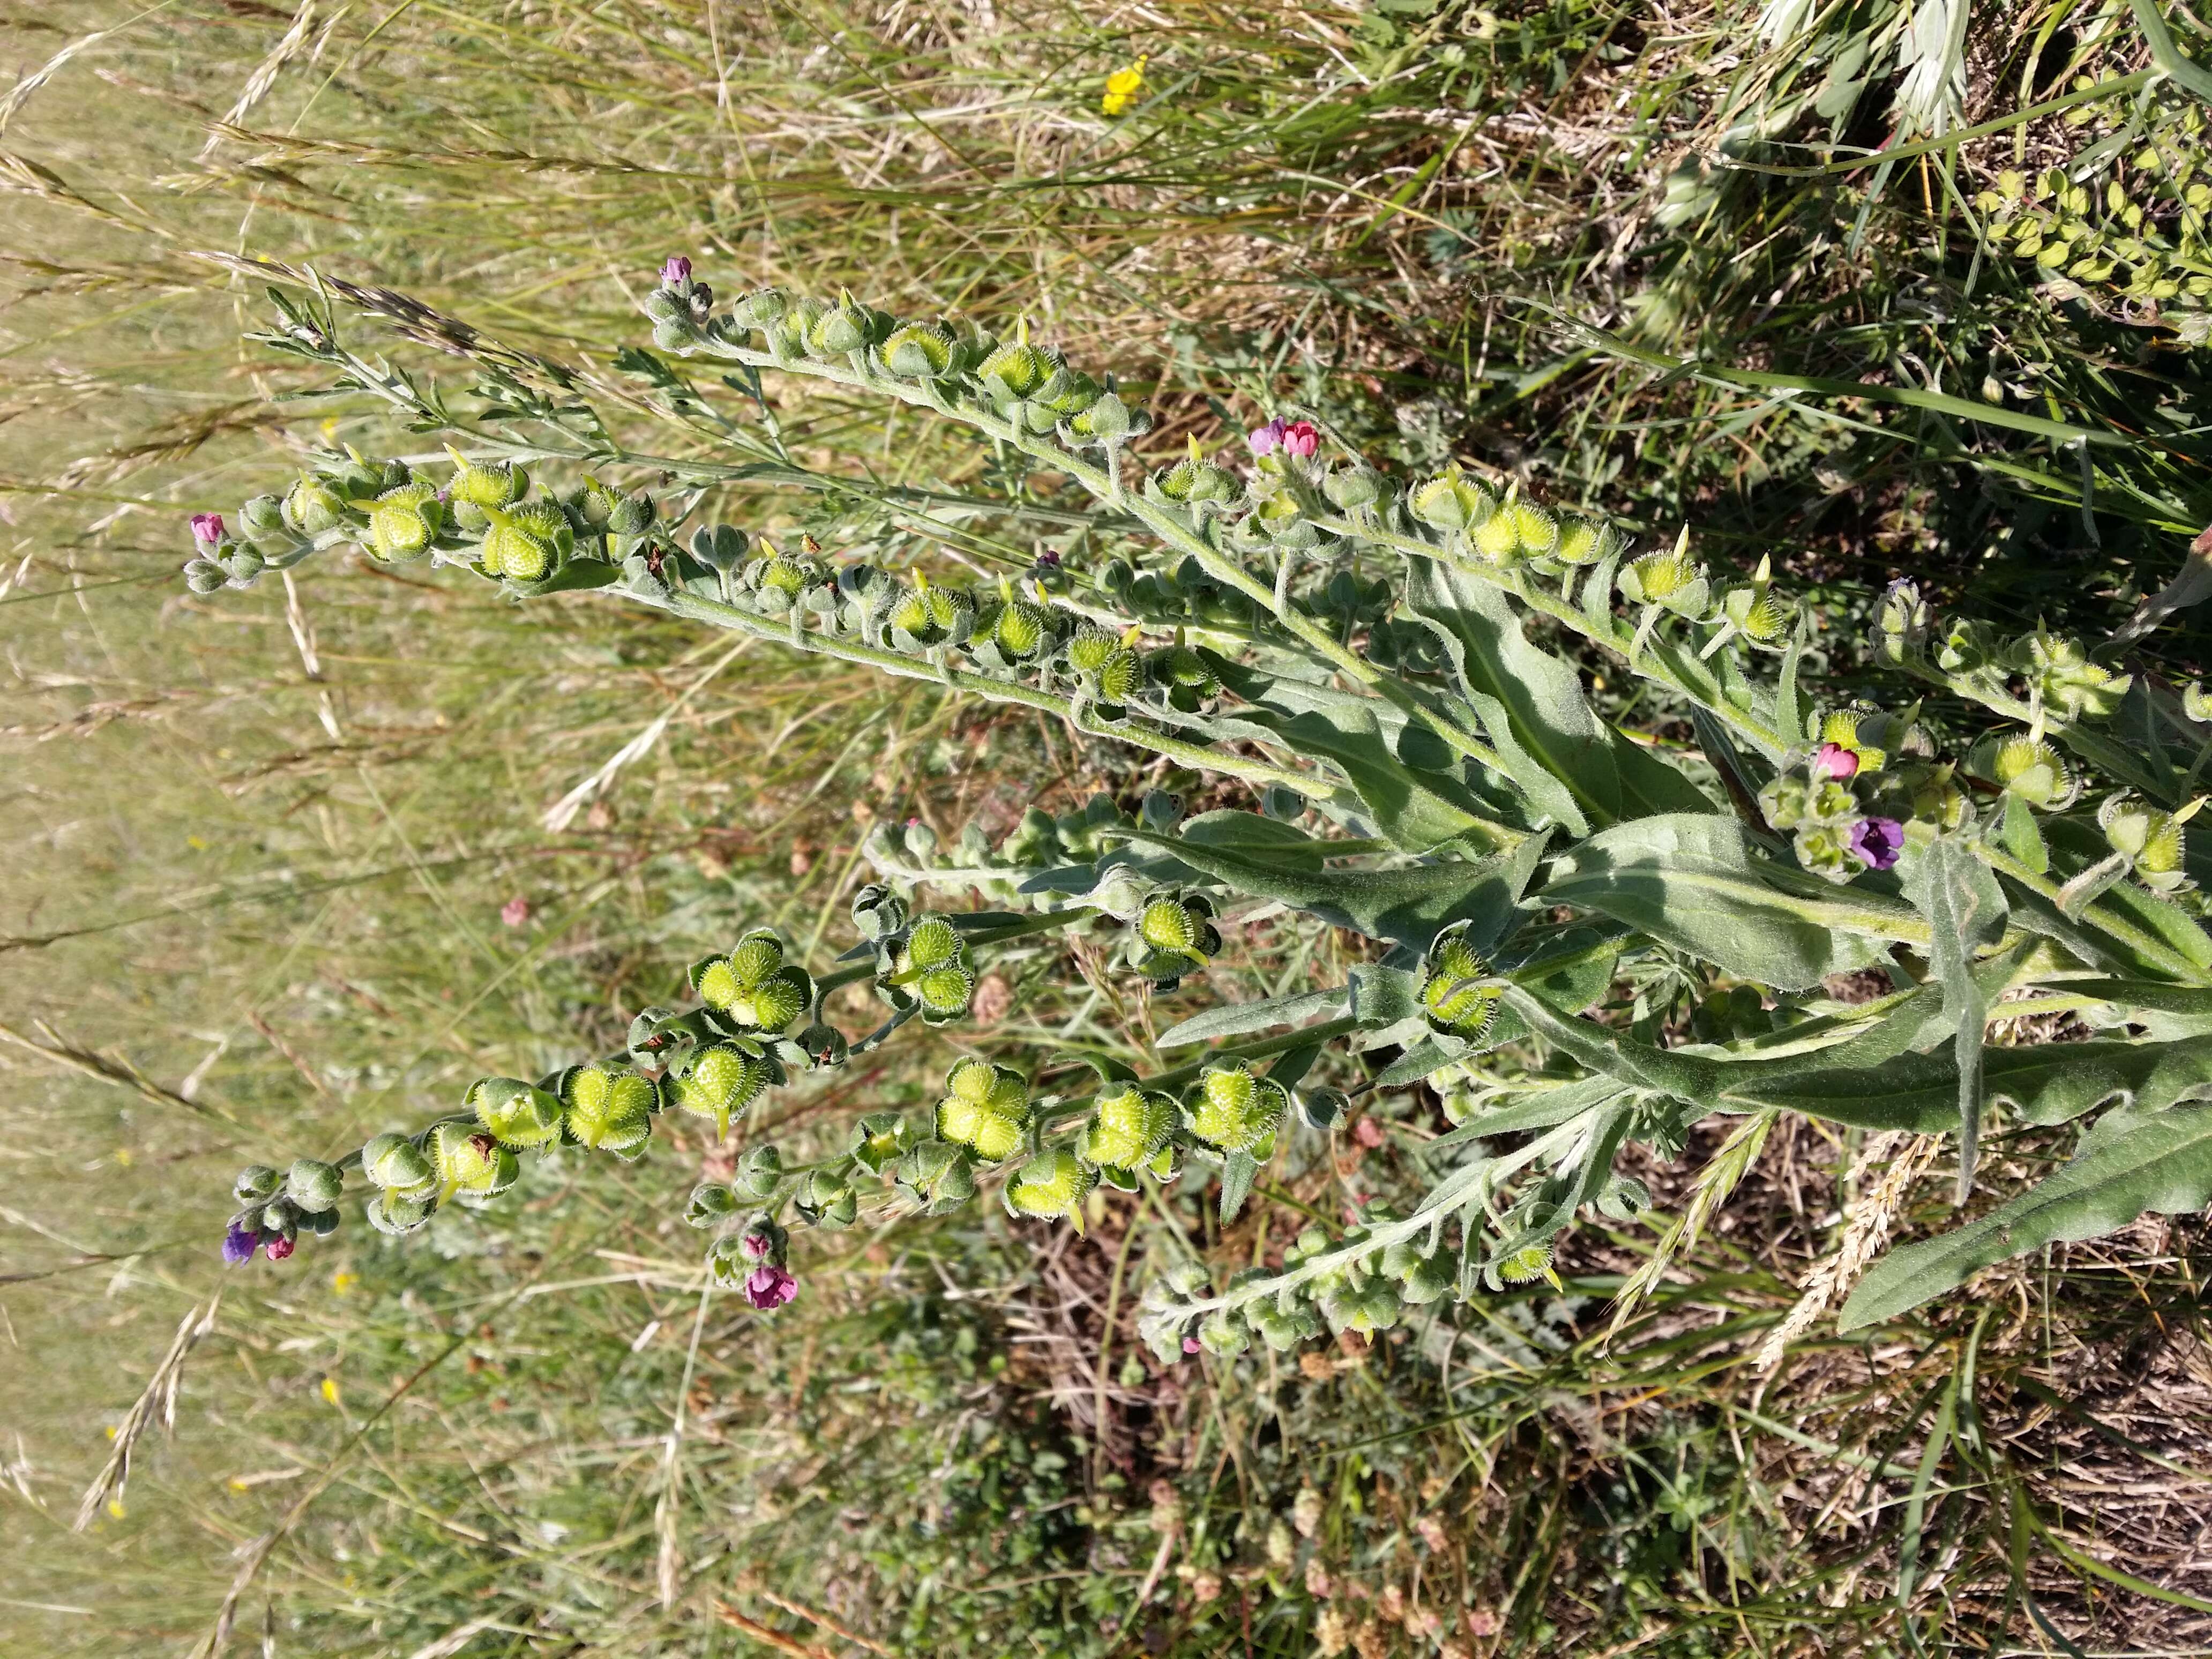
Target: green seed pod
[[1526, 1265], [934, 943], [879, 1138], [478, 485], [1536, 533], [632, 515], [1453, 1002], [1450, 501], [256, 1183], [1120, 678], [609, 1109], [1656, 577], [824, 1045], [1582, 542], [517, 1113], [313, 1186], [1234, 1111], [1017, 368], [985, 1108], [1167, 925], [527, 544], [930, 616], [711, 1205], [1223, 1334], [311, 506], [1023, 629], [2149, 839], [718, 1083], [2068, 681], [877, 912], [946, 994], [465, 1160], [937, 1176], [920, 351], [1760, 614], [2032, 770], [827, 1200], [842, 329], [1190, 683], [593, 503], [1092, 647], [1108, 422], [1128, 1130], [397, 1163], [759, 308], [402, 522], [396, 1213], [1050, 1187]]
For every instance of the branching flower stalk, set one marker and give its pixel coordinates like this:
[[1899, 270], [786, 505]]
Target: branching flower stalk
[[1574, 938]]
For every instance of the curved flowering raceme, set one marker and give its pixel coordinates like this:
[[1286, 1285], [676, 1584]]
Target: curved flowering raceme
[[1382, 689]]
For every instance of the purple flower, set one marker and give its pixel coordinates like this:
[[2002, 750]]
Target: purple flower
[[1300, 439], [676, 272], [207, 529], [1834, 761], [770, 1288], [239, 1245], [277, 1247], [1264, 439], [1876, 841]]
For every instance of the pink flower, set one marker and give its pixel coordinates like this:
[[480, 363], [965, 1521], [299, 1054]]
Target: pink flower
[[1190, 1345], [515, 912], [770, 1288], [1264, 439], [1300, 440], [1875, 842], [676, 272], [207, 528], [1834, 761], [1368, 1133], [277, 1248]]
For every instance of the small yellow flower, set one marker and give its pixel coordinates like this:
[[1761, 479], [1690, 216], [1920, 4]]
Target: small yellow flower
[[342, 1281], [1122, 87], [115, 1508], [331, 1390]]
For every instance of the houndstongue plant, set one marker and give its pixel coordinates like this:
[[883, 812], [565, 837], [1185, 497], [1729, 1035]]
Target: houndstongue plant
[[1580, 937]]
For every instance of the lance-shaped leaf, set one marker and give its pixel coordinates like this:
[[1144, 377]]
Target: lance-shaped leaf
[[1571, 763], [2160, 1165], [1236, 1018], [1408, 906], [1690, 880], [1955, 891]]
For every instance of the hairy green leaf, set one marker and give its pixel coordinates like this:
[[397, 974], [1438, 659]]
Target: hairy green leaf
[[1965, 908], [2160, 1165]]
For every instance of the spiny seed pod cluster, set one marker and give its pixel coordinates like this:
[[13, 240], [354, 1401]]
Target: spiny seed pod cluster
[[1174, 935], [1458, 997]]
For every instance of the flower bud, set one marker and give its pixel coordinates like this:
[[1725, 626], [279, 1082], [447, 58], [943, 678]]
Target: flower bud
[[718, 1083], [1283, 803], [759, 1172], [824, 1045], [608, 1108], [1352, 488], [1364, 1305], [398, 1164], [518, 1114], [880, 1138], [841, 330], [1107, 421], [279, 1247], [1900, 623], [759, 308], [1454, 1001], [313, 1186], [204, 576], [1128, 1130], [263, 518], [711, 1205], [2060, 669], [1321, 1109], [403, 521], [1234, 1111], [311, 506], [1223, 1334], [1450, 501], [937, 1176], [827, 1200], [256, 1183], [1050, 1187], [632, 515]]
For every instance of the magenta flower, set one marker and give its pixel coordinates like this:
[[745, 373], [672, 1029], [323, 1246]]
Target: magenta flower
[[1300, 439], [515, 912], [770, 1288], [207, 528], [277, 1247], [239, 1245], [1264, 439], [1875, 842], [1834, 761], [1190, 1345], [676, 272]]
